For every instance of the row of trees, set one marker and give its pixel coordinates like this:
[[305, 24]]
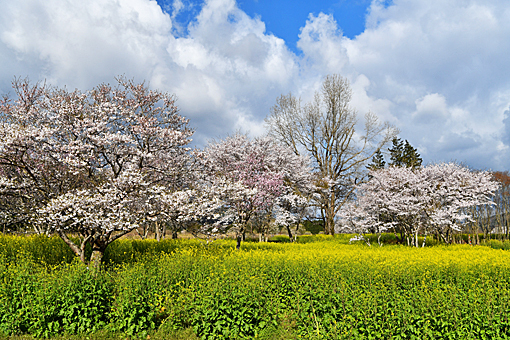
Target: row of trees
[[418, 201], [102, 163], [401, 154], [115, 159], [486, 212], [494, 218]]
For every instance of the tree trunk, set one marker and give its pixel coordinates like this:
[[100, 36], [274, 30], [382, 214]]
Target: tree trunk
[[82, 252], [240, 236], [291, 239], [96, 258], [144, 233], [297, 229], [324, 224], [78, 251], [239, 239], [158, 232], [329, 221], [263, 236]]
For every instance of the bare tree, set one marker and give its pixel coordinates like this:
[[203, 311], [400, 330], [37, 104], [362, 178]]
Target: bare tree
[[326, 130]]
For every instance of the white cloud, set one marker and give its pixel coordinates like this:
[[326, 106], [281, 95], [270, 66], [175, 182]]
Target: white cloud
[[365, 103], [436, 69], [431, 108], [322, 44], [440, 67], [231, 69], [76, 43]]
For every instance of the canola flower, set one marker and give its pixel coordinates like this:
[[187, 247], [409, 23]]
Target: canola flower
[[318, 290]]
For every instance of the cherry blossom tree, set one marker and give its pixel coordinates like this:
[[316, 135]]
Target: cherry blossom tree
[[290, 210], [456, 189], [430, 199], [90, 163], [29, 173], [248, 176], [220, 205]]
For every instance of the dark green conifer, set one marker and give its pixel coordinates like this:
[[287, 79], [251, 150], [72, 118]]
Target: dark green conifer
[[411, 157], [397, 152], [403, 154], [377, 161]]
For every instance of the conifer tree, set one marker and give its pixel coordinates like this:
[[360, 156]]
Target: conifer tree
[[411, 158], [403, 154], [396, 152], [377, 161]]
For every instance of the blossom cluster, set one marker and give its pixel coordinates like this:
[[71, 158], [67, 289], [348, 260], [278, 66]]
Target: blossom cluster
[[247, 178], [410, 201]]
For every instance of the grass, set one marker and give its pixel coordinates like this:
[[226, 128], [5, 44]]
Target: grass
[[318, 288]]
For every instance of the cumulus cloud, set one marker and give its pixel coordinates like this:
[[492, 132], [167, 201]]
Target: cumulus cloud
[[435, 69], [431, 109], [439, 67], [322, 44], [226, 71], [78, 43], [231, 70]]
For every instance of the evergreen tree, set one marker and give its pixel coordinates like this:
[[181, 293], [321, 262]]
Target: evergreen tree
[[403, 154], [377, 161], [411, 157], [397, 152]]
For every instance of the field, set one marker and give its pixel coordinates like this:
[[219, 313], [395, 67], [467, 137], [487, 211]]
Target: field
[[319, 288]]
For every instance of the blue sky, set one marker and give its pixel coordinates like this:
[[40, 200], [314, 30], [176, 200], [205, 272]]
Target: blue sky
[[284, 18], [436, 69]]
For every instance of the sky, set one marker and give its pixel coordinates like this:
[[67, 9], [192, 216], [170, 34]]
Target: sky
[[438, 70]]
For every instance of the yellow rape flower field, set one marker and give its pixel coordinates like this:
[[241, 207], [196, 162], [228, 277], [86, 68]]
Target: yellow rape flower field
[[187, 289]]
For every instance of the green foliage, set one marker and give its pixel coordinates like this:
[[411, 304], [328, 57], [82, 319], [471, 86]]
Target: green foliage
[[403, 154], [397, 152], [314, 227], [317, 288], [498, 244], [46, 301], [230, 310], [411, 158], [135, 306], [377, 161], [39, 248], [279, 239], [73, 301]]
